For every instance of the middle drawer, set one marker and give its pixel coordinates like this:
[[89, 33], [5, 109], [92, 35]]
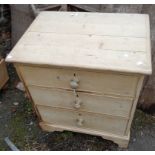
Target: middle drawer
[[53, 97]]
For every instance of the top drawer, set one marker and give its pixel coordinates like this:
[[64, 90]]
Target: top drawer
[[96, 82]]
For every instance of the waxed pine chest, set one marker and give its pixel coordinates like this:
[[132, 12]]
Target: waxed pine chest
[[84, 71]]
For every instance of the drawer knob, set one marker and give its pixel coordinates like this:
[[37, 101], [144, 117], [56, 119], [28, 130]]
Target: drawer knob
[[77, 103], [80, 121], [74, 83]]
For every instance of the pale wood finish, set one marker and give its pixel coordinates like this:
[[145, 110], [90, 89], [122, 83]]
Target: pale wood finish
[[20, 13], [87, 42], [122, 141], [3, 73], [108, 105], [127, 31], [27, 91], [107, 55], [139, 87], [109, 83], [111, 23], [47, 112], [91, 121]]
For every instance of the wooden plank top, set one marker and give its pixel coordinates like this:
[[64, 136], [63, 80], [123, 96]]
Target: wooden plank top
[[100, 41]]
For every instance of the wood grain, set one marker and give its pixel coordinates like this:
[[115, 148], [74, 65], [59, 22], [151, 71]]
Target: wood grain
[[101, 41], [3, 73], [101, 82], [107, 105], [108, 54], [122, 141], [69, 118]]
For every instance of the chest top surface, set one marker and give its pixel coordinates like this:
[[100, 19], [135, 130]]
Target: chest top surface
[[101, 41]]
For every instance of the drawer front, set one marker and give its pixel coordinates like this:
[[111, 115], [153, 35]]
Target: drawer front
[[88, 121], [84, 101], [105, 82]]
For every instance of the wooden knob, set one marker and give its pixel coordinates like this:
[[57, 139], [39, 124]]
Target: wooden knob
[[77, 103], [80, 121], [74, 83]]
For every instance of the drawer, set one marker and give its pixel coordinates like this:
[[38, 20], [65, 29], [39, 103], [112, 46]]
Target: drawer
[[84, 101], [69, 118], [98, 82]]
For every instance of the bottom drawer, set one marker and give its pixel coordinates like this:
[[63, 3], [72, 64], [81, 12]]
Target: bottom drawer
[[71, 118]]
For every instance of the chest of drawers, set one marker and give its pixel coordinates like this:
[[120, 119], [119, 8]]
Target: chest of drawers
[[84, 71]]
